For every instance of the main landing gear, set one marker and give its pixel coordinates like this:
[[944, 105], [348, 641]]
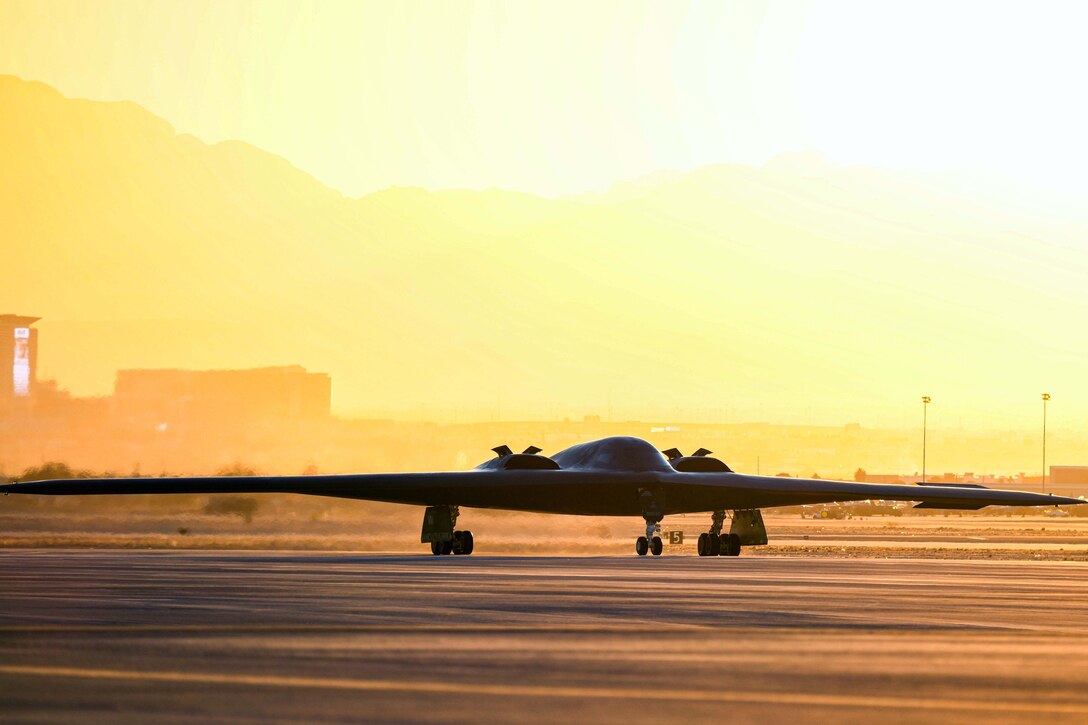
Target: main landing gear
[[460, 544], [719, 545], [715, 543], [438, 523]]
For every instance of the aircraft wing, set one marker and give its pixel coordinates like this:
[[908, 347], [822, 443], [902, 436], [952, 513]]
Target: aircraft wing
[[520, 490], [746, 491], [563, 491], [332, 485]]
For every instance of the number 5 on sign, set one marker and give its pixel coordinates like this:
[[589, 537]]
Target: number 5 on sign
[[676, 537]]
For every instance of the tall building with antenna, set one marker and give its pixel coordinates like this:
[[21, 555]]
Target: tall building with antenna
[[18, 358]]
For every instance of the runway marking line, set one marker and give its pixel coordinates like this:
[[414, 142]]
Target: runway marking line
[[914, 629], [358, 628], [471, 688]]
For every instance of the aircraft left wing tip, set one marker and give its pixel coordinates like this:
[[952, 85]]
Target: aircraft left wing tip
[[953, 505]]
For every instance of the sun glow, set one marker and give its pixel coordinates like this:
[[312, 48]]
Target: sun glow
[[565, 97], [799, 287]]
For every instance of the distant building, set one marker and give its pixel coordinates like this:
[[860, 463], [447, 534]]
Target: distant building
[[886, 478], [165, 398], [1068, 481], [18, 358]]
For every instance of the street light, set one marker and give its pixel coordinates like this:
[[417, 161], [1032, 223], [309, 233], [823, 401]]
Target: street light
[[926, 400], [1046, 397]]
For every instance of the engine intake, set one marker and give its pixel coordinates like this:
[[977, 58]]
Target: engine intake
[[699, 462], [529, 461], [506, 460]]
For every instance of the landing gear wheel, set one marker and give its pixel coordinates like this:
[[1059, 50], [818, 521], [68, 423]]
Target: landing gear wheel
[[438, 529], [641, 546], [713, 545], [657, 547], [704, 545], [730, 545], [462, 543]]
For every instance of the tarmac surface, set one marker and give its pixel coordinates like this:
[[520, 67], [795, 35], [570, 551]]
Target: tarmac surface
[[187, 636]]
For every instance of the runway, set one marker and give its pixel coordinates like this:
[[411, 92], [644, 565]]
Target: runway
[[134, 636]]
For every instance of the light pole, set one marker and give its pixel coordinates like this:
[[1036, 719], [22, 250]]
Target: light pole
[[1046, 397], [926, 400]]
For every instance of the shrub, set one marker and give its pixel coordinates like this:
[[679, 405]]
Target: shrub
[[52, 470], [242, 506]]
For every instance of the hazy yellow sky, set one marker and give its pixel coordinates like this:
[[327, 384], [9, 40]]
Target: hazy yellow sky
[[558, 97], [726, 293]]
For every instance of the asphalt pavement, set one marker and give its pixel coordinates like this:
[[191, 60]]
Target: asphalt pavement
[[187, 636]]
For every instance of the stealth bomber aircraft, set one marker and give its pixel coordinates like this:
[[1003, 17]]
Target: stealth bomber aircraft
[[617, 476]]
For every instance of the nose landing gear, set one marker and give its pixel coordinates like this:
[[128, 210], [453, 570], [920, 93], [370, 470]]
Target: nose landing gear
[[652, 512], [650, 543]]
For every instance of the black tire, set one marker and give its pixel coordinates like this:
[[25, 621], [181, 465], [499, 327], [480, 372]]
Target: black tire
[[447, 547], [703, 544], [466, 543], [734, 545], [641, 546], [456, 543], [714, 545], [436, 548], [657, 546]]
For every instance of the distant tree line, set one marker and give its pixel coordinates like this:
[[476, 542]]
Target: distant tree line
[[244, 507], [57, 470]]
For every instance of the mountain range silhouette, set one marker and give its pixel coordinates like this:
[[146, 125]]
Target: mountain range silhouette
[[798, 286]]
